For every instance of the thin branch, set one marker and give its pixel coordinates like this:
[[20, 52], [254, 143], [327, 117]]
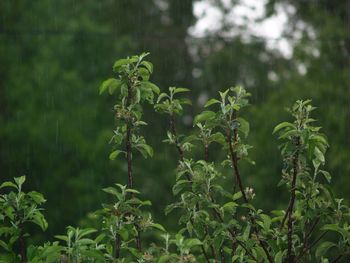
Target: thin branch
[[234, 163], [222, 256], [307, 237], [205, 254], [337, 258], [310, 246], [22, 244], [128, 142], [237, 176], [290, 257], [138, 238], [117, 243], [206, 152]]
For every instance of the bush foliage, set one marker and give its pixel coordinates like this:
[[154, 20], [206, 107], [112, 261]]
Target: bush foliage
[[218, 221]]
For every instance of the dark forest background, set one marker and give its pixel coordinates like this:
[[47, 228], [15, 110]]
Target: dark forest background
[[55, 128]]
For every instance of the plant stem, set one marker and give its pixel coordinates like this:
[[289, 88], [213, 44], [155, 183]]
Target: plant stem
[[222, 256], [128, 141], [307, 235], [177, 143], [129, 159], [173, 131], [23, 249], [117, 246], [310, 246], [337, 258], [237, 176], [232, 233], [206, 152], [138, 238], [234, 159], [290, 256], [205, 254]]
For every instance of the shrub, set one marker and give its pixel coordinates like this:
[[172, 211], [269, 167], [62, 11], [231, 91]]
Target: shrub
[[217, 221]]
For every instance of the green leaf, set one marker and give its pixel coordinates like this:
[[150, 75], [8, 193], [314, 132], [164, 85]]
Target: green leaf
[[133, 191], [204, 116], [148, 65], [164, 259], [237, 195], [87, 231], [124, 233], [191, 242], [319, 155], [150, 85], [121, 62], [338, 229], [279, 257], [211, 102], [159, 227], [320, 139], [37, 197], [113, 191], [177, 188], [326, 175], [283, 125], [323, 248], [61, 237], [145, 150], [185, 101], [178, 90], [261, 253], [218, 137], [4, 246], [267, 221], [161, 96], [289, 134], [230, 206], [134, 251], [95, 254], [144, 74], [8, 184], [20, 180], [244, 126], [40, 220], [111, 84], [114, 154]]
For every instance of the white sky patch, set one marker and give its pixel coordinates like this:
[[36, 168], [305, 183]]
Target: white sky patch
[[247, 20]]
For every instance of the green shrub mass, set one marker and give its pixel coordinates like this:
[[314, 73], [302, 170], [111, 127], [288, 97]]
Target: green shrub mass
[[214, 207]]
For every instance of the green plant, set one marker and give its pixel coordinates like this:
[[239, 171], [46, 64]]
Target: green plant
[[217, 217], [17, 210]]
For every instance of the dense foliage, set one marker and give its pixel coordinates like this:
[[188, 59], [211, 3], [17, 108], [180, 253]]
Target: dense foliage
[[54, 53], [218, 221]]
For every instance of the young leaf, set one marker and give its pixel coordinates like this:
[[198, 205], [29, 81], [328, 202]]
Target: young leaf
[[211, 102], [204, 116], [178, 90], [20, 180], [8, 184], [319, 155], [159, 227], [283, 125], [114, 154], [244, 126], [148, 65], [111, 84], [150, 85], [121, 62]]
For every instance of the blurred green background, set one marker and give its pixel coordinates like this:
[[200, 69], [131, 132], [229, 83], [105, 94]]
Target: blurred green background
[[55, 128]]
